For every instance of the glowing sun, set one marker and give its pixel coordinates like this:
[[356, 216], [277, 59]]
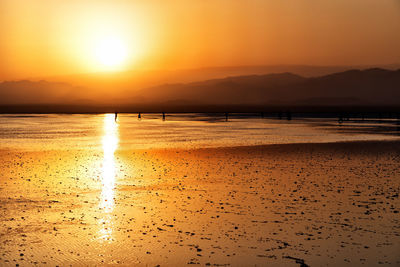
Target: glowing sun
[[111, 52]]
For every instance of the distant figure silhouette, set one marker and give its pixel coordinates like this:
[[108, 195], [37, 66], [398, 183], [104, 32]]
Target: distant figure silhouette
[[226, 116], [116, 115], [288, 115], [163, 116], [139, 116], [280, 115], [262, 114]]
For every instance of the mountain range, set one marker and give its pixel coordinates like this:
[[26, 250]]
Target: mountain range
[[354, 87], [369, 87]]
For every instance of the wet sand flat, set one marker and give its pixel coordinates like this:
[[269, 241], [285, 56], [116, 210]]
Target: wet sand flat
[[333, 204]]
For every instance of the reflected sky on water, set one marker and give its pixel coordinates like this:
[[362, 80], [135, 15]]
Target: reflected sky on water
[[64, 131]]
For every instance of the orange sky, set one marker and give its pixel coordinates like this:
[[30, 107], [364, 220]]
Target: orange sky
[[47, 37]]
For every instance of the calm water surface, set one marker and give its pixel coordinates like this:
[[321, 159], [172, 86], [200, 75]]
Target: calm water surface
[[60, 131]]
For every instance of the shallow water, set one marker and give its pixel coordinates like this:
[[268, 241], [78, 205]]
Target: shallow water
[[317, 204], [61, 131], [74, 191]]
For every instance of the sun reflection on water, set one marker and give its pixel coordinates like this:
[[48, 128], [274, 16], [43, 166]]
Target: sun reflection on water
[[110, 142]]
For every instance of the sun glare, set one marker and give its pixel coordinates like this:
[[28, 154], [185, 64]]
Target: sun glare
[[110, 144], [111, 52]]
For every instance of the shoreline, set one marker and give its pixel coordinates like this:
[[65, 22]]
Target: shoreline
[[199, 108]]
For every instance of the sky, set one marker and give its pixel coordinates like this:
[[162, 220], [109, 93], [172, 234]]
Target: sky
[[40, 38]]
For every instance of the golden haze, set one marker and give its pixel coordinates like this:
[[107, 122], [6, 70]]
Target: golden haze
[[44, 37]]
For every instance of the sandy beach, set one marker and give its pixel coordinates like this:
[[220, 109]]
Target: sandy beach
[[332, 204]]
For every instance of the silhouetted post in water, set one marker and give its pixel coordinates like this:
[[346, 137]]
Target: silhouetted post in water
[[226, 116], [116, 115], [163, 116], [139, 116], [288, 115], [280, 115]]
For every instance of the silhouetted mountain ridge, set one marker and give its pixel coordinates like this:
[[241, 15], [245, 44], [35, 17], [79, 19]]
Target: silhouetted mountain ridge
[[353, 87], [44, 92], [370, 87]]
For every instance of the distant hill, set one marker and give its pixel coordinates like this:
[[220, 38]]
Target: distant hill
[[246, 90], [366, 87], [44, 92], [41, 92], [370, 87], [133, 80], [353, 87]]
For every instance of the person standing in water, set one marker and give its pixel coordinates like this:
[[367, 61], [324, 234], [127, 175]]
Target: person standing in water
[[116, 115]]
